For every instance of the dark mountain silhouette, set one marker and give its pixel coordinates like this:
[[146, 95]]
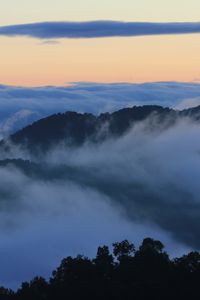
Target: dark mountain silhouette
[[74, 128]]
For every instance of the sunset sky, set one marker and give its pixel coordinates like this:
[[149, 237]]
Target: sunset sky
[[29, 61]]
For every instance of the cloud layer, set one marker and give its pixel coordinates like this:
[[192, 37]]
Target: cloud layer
[[142, 184], [152, 174], [21, 106], [97, 29]]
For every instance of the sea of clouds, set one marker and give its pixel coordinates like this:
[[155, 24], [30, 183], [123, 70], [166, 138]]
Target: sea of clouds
[[21, 106]]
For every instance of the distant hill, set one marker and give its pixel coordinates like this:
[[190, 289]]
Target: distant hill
[[74, 129]]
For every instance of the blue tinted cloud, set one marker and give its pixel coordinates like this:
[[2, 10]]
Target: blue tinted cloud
[[97, 29], [19, 106]]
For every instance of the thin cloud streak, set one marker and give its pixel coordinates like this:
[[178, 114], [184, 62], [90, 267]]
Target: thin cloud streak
[[98, 29]]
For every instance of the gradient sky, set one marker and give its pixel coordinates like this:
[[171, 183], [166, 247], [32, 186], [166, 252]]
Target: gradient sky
[[30, 62]]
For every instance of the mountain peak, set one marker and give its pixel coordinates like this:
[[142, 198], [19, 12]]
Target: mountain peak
[[74, 129]]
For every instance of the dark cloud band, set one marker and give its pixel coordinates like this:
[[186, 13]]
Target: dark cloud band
[[97, 29]]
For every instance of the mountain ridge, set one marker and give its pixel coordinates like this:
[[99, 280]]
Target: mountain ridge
[[74, 129]]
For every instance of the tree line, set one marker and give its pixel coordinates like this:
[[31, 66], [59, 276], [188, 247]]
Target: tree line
[[125, 273]]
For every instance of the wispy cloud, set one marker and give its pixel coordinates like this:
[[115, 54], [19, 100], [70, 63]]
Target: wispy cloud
[[144, 178], [49, 42], [97, 29]]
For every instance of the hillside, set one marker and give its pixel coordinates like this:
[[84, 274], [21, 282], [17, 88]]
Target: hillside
[[74, 128]]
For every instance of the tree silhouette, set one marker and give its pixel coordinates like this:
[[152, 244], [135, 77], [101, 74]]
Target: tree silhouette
[[123, 250], [147, 273], [36, 289], [104, 262]]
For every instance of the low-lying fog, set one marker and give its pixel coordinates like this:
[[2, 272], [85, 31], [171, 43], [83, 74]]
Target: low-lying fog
[[142, 184]]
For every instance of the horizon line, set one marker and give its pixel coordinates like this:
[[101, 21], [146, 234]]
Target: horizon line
[[76, 83]]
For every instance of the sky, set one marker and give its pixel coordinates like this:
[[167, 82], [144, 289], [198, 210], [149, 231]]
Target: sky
[[29, 61]]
